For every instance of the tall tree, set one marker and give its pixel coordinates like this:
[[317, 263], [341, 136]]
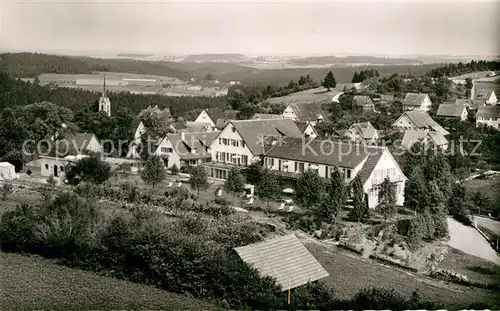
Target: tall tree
[[154, 171], [337, 192], [308, 189], [156, 121], [268, 188], [329, 82], [387, 199], [199, 179], [360, 206], [415, 190], [235, 182]]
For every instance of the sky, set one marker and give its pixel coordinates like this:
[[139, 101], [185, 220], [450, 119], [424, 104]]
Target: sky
[[252, 28]]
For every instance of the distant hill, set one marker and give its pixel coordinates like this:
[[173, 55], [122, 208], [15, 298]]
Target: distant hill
[[133, 55], [30, 65], [230, 58], [325, 60]]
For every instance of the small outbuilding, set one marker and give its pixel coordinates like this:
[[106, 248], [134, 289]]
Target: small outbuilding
[[7, 171]]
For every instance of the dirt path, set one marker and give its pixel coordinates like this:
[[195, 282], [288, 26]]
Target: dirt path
[[469, 241]]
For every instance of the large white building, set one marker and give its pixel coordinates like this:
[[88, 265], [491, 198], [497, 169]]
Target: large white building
[[372, 164], [488, 115], [243, 142], [417, 120]]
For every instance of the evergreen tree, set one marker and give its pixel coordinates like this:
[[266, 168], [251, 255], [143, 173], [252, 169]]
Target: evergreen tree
[[329, 82], [360, 206], [154, 171], [387, 199], [268, 188]]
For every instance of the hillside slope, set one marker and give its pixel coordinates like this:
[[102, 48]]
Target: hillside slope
[[35, 283]]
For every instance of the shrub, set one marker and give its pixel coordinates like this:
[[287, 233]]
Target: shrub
[[17, 229], [90, 169], [6, 189], [174, 170]]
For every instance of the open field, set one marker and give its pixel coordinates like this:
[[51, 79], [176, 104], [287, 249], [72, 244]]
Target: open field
[[35, 283], [133, 83], [350, 273], [489, 185]]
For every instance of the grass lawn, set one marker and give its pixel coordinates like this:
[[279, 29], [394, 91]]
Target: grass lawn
[[35, 283], [489, 185], [350, 273], [475, 268]]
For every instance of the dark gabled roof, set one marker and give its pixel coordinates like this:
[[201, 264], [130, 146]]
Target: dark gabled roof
[[199, 141], [218, 113], [197, 127], [308, 111], [365, 129], [252, 131], [414, 99], [266, 116], [73, 144], [285, 259], [483, 93], [302, 125], [450, 110], [476, 103], [423, 120], [361, 101], [413, 136], [326, 152], [488, 112], [369, 166]]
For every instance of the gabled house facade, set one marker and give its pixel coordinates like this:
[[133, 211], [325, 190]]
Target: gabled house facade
[[426, 138], [243, 142], [362, 132], [487, 95], [416, 101], [307, 129], [216, 117], [363, 102], [305, 112], [417, 120], [452, 111], [488, 115], [186, 149], [371, 164], [72, 148]]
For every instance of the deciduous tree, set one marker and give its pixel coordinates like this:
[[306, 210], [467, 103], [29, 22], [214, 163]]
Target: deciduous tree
[[199, 179], [235, 181], [308, 189], [268, 188], [387, 199]]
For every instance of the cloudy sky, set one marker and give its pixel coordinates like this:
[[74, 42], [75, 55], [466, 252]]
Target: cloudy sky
[[252, 27]]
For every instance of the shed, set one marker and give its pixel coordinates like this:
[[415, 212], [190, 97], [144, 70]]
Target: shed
[[7, 171], [285, 259]]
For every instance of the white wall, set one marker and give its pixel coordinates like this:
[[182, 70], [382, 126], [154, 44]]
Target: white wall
[[289, 113], [204, 118], [495, 123], [493, 99], [228, 133], [426, 105], [310, 131], [94, 145], [385, 166], [173, 157], [47, 167], [405, 123]]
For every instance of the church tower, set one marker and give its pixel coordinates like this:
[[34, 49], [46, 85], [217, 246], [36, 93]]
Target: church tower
[[104, 102]]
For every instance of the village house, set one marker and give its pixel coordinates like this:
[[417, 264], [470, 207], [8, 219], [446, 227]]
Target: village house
[[195, 127], [452, 111], [307, 129], [417, 101], [362, 132], [417, 120], [64, 151], [186, 149], [216, 117], [372, 164], [480, 93], [243, 142], [384, 99], [488, 115], [305, 112], [140, 129], [363, 102], [426, 138]]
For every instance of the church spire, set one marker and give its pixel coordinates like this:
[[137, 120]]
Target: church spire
[[104, 86]]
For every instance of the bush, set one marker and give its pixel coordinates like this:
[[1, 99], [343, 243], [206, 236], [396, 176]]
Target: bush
[[174, 170], [17, 229], [6, 189], [90, 169]]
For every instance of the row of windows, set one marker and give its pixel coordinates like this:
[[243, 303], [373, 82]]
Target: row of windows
[[166, 150], [485, 119], [300, 167], [61, 168], [226, 157], [375, 190], [231, 142]]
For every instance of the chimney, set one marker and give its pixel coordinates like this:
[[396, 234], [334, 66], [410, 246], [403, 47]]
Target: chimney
[[183, 135]]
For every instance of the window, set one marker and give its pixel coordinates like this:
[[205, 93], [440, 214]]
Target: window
[[223, 157], [295, 170], [234, 130], [348, 173], [242, 144], [270, 162], [46, 166], [326, 171], [301, 167], [220, 141], [279, 165], [217, 156], [244, 159], [61, 168]]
